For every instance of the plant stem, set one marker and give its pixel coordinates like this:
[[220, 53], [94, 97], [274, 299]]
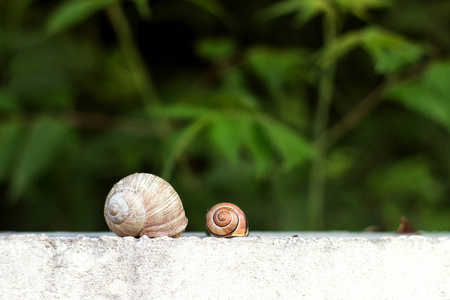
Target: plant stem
[[316, 196], [371, 101], [136, 63], [354, 117]]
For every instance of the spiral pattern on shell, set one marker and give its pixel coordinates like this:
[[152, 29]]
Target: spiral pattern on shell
[[226, 220], [144, 204]]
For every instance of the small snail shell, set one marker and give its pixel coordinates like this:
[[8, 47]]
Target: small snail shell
[[226, 220], [144, 204]]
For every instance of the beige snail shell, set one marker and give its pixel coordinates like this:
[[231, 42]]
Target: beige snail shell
[[226, 220], [144, 204]]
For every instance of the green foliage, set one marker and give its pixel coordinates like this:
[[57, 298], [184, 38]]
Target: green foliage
[[42, 145], [360, 8], [304, 10], [143, 8], [428, 94], [180, 143], [277, 66], [226, 137], [392, 185], [74, 12], [390, 52], [216, 9], [10, 136], [8, 102], [394, 182], [293, 148], [216, 49], [229, 102], [231, 131]]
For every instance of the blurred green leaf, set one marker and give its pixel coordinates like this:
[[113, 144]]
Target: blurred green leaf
[[42, 75], [341, 47], [407, 180], [8, 101], [143, 8], [339, 163], [293, 147], [225, 137], [234, 88], [281, 9], [215, 49], [390, 52], [179, 111], [258, 146], [427, 95], [305, 10], [10, 135], [286, 73], [274, 66], [360, 7], [42, 145], [216, 9], [181, 142], [70, 13], [235, 99]]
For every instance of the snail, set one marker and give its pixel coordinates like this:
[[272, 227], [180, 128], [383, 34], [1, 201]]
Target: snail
[[144, 204], [226, 220]]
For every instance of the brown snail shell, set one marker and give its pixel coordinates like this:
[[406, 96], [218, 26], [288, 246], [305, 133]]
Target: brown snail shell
[[226, 220], [144, 204]]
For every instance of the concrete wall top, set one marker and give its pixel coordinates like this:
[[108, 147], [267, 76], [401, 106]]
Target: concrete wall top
[[326, 265]]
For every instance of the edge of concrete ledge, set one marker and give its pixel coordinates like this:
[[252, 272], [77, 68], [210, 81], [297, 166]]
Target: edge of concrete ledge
[[266, 265]]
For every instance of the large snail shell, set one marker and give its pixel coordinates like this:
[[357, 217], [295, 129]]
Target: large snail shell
[[144, 204], [226, 220]]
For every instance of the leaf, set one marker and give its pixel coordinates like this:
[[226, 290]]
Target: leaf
[[234, 91], [274, 66], [280, 9], [42, 145], [341, 47], [427, 95], [294, 149], [179, 111], [215, 49], [181, 142], [71, 13], [360, 7], [233, 97], [305, 10], [390, 52], [10, 136], [216, 9], [258, 146], [225, 137], [143, 8]]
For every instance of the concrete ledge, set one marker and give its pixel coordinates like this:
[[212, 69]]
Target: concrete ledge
[[263, 266]]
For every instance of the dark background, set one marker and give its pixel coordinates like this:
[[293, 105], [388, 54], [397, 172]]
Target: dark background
[[308, 114]]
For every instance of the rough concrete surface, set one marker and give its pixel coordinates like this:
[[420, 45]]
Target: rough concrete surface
[[311, 266]]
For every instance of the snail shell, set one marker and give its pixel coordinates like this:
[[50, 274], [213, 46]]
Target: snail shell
[[144, 204], [226, 220]]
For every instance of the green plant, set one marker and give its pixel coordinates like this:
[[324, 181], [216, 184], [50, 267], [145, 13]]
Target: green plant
[[313, 114]]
